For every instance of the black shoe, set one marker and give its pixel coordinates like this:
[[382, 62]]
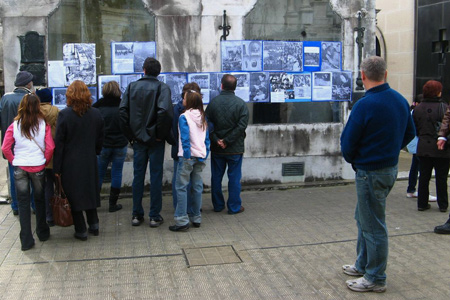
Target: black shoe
[[50, 223], [94, 231], [27, 248], [80, 237], [16, 213], [442, 209], [217, 210], [238, 212], [156, 222], [115, 207], [424, 208], [43, 239], [196, 225], [442, 229], [179, 228]]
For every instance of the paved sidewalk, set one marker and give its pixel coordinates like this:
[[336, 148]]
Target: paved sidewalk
[[288, 244]]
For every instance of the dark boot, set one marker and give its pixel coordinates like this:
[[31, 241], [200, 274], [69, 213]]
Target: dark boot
[[113, 197]]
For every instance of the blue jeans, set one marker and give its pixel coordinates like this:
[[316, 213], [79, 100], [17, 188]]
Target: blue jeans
[[49, 192], [413, 174], [116, 156], [14, 204], [188, 172], [22, 183], [372, 188], [174, 189], [154, 156], [219, 163]]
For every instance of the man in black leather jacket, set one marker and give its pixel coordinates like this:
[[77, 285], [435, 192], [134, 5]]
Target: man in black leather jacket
[[146, 119]]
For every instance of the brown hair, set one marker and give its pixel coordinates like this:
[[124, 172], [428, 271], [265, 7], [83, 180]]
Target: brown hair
[[111, 89], [78, 97], [431, 89], [28, 115], [190, 86], [194, 101], [229, 82]]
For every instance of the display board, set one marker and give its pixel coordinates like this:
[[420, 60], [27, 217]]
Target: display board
[[79, 63], [129, 57]]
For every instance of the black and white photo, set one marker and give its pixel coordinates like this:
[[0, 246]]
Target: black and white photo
[[176, 81], [202, 79], [322, 88], [302, 86], [273, 55], [242, 86], [215, 83], [231, 55], [126, 79], [79, 63], [342, 86], [259, 87], [251, 55], [311, 56], [276, 87], [142, 50], [93, 91], [59, 97], [331, 56], [122, 57], [293, 57]]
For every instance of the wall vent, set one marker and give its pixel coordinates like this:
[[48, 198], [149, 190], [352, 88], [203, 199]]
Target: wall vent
[[293, 169]]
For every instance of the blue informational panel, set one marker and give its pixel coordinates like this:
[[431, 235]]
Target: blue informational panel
[[241, 55], [312, 56]]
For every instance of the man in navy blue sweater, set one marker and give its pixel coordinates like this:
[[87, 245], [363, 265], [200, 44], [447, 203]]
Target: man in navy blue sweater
[[379, 126]]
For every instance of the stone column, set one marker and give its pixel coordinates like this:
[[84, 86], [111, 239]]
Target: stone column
[[19, 17], [188, 36]]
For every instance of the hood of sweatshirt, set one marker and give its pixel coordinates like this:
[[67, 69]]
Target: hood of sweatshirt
[[195, 115]]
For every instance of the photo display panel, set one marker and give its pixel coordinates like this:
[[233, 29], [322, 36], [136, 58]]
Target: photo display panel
[[283, 56], [311, 56], [79, 63], [59, 97], [331, 56], [241, 55], [129, 57]]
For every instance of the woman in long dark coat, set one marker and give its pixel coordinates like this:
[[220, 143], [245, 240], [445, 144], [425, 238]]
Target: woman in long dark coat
[[78, 140]]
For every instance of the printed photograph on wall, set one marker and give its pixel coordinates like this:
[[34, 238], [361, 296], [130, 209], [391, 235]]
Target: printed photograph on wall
[[322, 88], [56, 70], [342, 86], [251, 56], [293, 57], [259, 87], [125, 80], [104, 79], [176, 81], [311, 56], [215, 82], [129, 57], [331, 56], [202, 79], [273, 55], [231, 53], [302, 86], [79, 63], [59, 97], [242, 86], [276, 87], [142, 50]]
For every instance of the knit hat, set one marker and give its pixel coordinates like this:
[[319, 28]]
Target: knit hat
[[23, 78], [45, 95]]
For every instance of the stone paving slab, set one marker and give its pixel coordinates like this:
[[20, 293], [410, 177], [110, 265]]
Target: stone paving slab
[[292, 244]]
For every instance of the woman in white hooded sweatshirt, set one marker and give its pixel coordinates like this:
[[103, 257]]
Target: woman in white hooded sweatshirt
[[192, 152]]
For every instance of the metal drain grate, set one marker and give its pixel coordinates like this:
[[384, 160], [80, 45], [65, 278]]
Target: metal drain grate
[[217, 255], [293, 169]]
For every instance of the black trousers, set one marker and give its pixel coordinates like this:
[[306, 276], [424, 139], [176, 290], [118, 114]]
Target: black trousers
[[80, 223], [441, 167]]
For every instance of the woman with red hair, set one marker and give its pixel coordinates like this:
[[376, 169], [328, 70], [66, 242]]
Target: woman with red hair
[[427, 117], [78, 140]]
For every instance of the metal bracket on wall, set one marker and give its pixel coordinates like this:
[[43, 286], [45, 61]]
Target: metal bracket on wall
[[224, 27], [359, 41]]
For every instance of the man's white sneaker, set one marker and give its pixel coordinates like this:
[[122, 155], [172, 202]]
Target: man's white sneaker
[[411, 195], [351, 270], [363, 285], [432, 198]]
